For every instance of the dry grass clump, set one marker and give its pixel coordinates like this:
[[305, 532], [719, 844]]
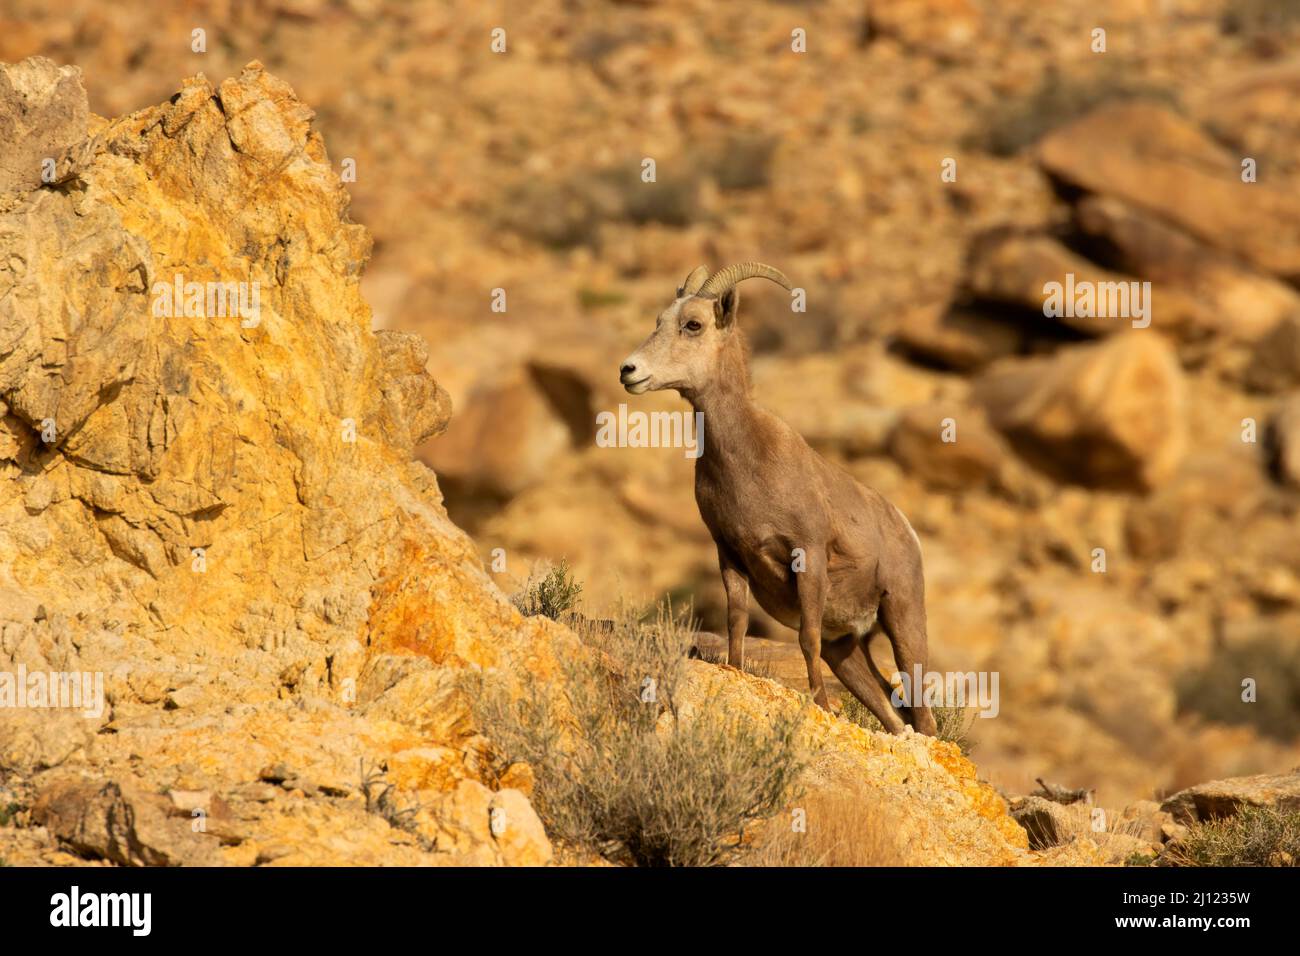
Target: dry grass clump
[[828, 829], [619, 771], [758, 663]]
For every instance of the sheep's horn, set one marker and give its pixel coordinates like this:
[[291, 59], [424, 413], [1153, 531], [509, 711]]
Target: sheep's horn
[[724, 279], [693, 281]]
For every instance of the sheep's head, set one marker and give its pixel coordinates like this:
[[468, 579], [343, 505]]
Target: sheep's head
[[685, 349]]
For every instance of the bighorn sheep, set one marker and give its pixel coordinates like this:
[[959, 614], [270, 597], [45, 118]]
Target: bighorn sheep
[[773, 504]]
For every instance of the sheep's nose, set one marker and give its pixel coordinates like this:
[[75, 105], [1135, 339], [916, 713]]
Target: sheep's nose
[[627, 369]]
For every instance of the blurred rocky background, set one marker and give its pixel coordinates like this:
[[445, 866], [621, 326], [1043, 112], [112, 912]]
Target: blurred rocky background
[[521, 171]]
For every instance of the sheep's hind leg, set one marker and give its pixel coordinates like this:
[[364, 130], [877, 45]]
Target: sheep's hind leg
[[848, 660], [903, 621]]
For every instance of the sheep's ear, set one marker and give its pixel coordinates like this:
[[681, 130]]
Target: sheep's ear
[[725, 308]]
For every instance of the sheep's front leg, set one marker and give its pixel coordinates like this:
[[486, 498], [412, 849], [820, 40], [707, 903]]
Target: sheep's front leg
[[812, 586], [736, 585]]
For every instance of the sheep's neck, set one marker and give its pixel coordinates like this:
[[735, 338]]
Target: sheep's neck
[[730, 416]]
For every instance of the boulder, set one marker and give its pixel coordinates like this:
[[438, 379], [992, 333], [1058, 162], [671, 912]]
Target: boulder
[[1198, 289], [959, 338], [1257, 109], [518, 832], [1149, 156], [1014, 269], [1047, 823], [979, 457], [119, 822], [1223, 798], [1109, 415], [937, 27]]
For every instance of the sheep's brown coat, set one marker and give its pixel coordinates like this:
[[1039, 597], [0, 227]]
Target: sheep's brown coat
[[773, 505]]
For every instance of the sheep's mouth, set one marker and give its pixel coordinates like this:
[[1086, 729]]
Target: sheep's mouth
[[636, 387]]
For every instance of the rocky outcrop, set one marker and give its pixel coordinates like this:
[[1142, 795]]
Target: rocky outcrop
[[203, 492], [939, 810]]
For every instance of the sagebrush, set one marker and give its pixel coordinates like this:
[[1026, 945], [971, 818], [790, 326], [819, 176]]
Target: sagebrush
[[619, 770], [550, 591], [1253, 836]]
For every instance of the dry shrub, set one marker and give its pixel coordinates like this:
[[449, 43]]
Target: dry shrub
[[618, 771], [1254, 836], [570, 211], [842, 829]]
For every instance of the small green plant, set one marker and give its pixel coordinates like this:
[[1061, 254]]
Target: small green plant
[[550, 592], [1253, 836], [954, 724], [7, 813], [590, 299], [619, 770]]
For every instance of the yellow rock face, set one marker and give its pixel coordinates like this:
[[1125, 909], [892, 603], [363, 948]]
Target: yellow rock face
[[207, 497], [923, 792]]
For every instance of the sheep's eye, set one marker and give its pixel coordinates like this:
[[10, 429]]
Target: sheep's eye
[[693, 326]]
